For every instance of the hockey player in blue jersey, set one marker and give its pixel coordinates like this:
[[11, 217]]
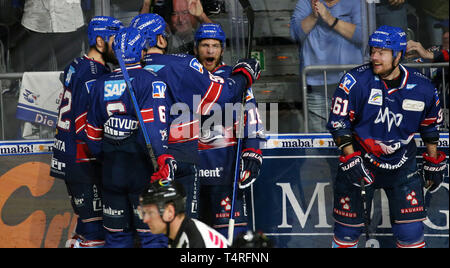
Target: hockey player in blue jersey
[[72, 160], [112, 125], [195, 91], [217, 145], [377, 109]]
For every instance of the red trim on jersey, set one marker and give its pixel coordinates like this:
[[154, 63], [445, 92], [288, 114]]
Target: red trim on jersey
[[83, 154], [147, 115], [428, 121], [93, 133], [184, 132], [211, 97], [91, 59], [80, 123]]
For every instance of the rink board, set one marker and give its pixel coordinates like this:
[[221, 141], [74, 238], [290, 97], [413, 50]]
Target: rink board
[[291, 201]]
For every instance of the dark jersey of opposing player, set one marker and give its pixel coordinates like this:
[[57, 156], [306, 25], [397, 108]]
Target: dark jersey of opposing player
[[72, 159], [217, 143], [194, 91], [111, 113], [384, 120], [195, 234]]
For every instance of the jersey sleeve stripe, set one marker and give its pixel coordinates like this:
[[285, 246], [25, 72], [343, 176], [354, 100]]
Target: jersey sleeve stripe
[[94, 133], [80, 122], [147, 115], [211, 97]]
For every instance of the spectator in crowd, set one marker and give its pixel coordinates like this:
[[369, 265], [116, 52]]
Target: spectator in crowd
[[329, 32], [393, 13], [430, 13], [437, 53], [184, 18], [51, 25]]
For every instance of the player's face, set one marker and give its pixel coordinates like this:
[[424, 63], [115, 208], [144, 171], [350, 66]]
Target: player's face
[[150, 216], [381, 59], [209, 53]]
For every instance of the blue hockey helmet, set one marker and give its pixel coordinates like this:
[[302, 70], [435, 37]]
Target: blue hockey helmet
[[130, 42], [210, 31], [389, 37], [103, 26], [150, 25]]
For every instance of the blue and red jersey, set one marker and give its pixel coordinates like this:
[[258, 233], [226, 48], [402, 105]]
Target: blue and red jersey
[[71, 155], [194, 91], [111, 113], [383, 120]]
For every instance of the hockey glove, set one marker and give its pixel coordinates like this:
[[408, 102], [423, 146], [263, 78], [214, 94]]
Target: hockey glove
[[250, 68], [353, 167], [433, 170], [167, 168], [251, 161]]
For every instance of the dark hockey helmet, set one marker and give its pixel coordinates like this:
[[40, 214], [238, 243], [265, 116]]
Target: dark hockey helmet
[[252, 239], [163, 192], [150, 25], [103, 26], [389, 37], [130, 43], [210, 31]]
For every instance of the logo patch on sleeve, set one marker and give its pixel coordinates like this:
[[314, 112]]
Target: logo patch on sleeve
[[347, 83], [159, 89], [194, 64]]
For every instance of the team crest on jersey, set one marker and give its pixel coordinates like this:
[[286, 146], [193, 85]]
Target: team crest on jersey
[[376, 97], [194, 64], [347, 83], [159, 89], [69, 75], [114, 89], [249, 95]]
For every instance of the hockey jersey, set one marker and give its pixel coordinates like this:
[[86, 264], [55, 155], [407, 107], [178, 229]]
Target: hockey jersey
[[217, 144], [111, 113], [384, 120], [72, 159], [194, 91]]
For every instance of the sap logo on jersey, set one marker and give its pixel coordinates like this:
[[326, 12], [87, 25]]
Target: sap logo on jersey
[[114, 89], [347, 83], [194, 64], [159, 89]]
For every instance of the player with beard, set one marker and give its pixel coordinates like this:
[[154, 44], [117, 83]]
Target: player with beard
[[195, 91], [217, 144], [377, 109], [72, 160]]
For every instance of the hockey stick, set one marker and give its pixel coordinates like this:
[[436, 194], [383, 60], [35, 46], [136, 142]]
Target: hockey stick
[[370, 242], [246, 6], [137, 109]]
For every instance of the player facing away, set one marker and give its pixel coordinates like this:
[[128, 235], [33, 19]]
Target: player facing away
[[377, 109], [117, 137], [72, 159], [194, 91], [218, 145], [162, 207]]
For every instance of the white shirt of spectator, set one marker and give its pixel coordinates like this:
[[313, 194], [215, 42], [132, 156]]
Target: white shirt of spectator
[[52, 16]]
